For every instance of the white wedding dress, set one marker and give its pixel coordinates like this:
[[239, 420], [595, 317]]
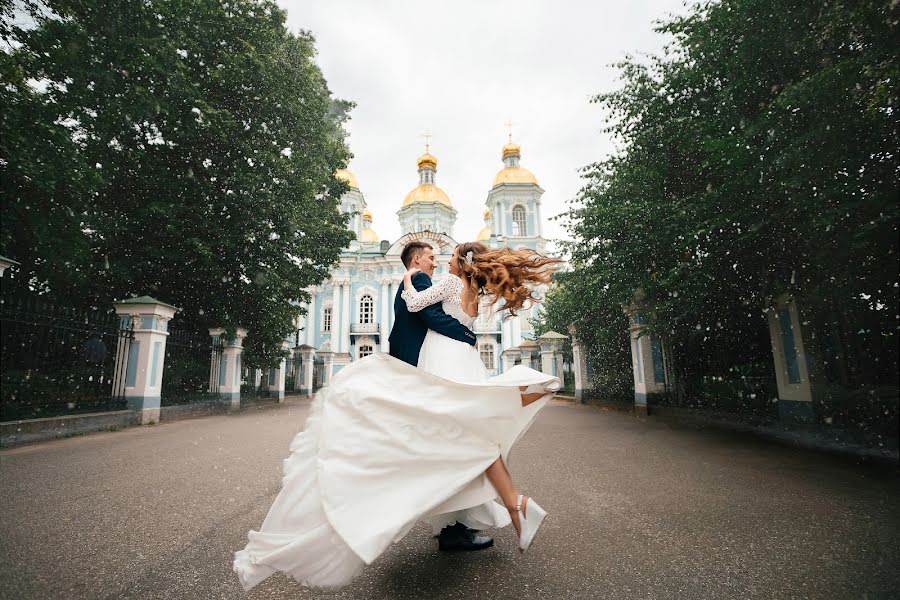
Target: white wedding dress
[[386, 445]]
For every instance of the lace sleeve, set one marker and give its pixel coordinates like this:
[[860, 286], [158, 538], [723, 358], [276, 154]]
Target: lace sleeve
[[445, 289]]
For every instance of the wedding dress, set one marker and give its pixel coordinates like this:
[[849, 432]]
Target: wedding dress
[[386, 445]]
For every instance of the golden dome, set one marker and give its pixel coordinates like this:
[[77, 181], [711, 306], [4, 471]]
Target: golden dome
[[427, 193], [515, 175], [486, 214], [427, 160], [484, 234], [347, 177], [367, 215], [511, 149], [368, 235]]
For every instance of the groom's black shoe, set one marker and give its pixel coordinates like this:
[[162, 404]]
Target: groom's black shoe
[[460, 537]]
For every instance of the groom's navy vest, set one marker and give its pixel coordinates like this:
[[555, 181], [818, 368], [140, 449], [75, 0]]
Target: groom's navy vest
[[409, 328]]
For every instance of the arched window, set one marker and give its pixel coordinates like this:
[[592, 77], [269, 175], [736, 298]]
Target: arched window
[[486, 351], [326, 319], [366, 309], [364, 351], [520, 226]]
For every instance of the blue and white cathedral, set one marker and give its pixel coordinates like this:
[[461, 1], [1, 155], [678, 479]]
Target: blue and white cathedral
[[350, 315]]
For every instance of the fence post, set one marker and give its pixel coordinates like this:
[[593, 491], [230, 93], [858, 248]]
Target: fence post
[[648, 363], [308, 357], [276, 384], [796, 383], [144, 356], [228, 378], [582, 382]]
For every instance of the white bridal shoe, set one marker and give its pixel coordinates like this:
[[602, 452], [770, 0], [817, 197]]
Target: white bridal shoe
[[529, 525]]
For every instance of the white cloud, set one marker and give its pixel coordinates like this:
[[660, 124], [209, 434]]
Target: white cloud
[[460, 70]]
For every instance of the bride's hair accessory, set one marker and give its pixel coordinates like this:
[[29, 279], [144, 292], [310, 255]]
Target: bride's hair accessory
[[469, 257]]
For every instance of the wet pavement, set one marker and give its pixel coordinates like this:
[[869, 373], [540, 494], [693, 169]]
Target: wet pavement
[[638, 509]]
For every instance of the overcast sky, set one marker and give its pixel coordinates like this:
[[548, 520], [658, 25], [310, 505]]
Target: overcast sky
[[460, 70]]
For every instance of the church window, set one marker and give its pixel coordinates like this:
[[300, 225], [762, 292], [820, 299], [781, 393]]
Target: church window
[[366, 309], [486, 351], [326, 319], [365, 351], [520, 226]]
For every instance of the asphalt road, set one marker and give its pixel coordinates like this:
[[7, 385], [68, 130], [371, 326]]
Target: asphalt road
[[638, 509]]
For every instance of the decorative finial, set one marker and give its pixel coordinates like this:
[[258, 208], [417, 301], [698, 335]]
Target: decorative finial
[[509, 125], [427, 136]]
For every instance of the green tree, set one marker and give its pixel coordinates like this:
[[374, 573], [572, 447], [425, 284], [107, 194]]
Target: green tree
[[758, 156], [181, 150]]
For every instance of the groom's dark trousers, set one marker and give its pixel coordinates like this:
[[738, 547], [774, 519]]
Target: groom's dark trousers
[[409, 329]]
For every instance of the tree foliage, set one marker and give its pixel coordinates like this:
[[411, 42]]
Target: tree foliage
[[184, 150], [758, 155]]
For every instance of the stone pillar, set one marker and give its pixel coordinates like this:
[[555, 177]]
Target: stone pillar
[[648, 365], [516, 330], [796, 384], [308, 356], [547, 364], [276, 379], [385, 314], [327, 365], [311, 315], [395, 285], [143, 358], [560, 371], [526, 359], [229, 376], [346, 318], [582, 382], [335, 315]]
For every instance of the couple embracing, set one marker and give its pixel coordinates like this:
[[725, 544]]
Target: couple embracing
[[422, 434]]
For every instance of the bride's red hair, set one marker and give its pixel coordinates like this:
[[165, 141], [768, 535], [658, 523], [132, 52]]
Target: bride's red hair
[[503, 273]]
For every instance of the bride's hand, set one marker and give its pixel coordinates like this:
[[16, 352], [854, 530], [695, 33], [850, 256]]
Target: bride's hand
[[413, 270]]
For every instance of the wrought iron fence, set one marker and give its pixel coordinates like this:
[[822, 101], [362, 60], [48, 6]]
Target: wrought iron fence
[[57, 361], [190, 365], [293, 374]]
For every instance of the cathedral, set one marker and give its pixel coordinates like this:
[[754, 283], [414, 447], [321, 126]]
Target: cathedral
[[350, 315]]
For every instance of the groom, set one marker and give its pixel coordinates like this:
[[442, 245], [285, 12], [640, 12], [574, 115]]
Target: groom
[[406, 340]]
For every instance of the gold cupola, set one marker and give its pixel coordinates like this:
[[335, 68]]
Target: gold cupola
[[485, 234], [427, 191], [347, 177], [367, 235], [512, 172]]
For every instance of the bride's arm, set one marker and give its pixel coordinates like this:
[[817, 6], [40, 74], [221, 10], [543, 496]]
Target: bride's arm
[[417, 300]]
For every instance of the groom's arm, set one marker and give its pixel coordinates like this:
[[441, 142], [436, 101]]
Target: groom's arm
[[435, 318]]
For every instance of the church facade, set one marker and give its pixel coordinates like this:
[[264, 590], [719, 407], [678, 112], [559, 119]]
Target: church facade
[[350, 315]]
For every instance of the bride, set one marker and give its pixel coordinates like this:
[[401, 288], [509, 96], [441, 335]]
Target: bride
[[387, 444]]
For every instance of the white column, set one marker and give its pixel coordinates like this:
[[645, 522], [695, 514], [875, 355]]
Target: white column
[[526, 359], [385, 315], [144, 356], [547, 362], [230, 366], [311, 320], [308, 371], [345, 321], [335, 316], [516, 326], [394, 287], [276, 388]]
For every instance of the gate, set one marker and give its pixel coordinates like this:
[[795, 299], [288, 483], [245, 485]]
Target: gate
[[189, 366]]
